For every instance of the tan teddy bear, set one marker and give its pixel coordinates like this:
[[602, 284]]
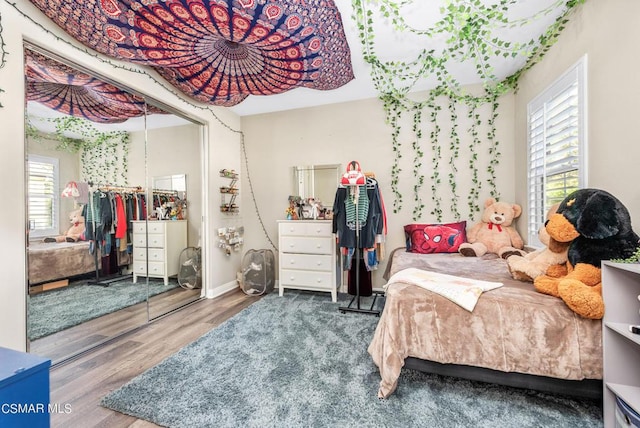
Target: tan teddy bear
[[494, 233], [550, 260], [75, 232]]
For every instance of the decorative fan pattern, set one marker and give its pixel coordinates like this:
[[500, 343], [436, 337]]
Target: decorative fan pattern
[[66, 90], [216, 51]]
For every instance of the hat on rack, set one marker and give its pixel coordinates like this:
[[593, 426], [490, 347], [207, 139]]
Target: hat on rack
[[353, 176]]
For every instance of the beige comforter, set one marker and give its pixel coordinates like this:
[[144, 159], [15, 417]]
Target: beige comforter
[[49, 261], [512, 328]]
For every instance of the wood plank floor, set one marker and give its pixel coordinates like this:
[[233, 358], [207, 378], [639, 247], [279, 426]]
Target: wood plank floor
[[60, 345], [80, 384]]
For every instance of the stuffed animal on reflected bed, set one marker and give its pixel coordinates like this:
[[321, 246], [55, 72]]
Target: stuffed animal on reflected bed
[[75, 232]]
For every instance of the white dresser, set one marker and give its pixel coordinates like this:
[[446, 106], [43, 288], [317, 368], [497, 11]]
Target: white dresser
[[166, 239], [307, 256]]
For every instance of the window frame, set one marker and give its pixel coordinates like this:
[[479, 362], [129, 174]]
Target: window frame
[[538, 202], [54, 230]]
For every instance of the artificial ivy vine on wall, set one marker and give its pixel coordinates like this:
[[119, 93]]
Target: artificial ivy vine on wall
[[469, 28], [104, 155]]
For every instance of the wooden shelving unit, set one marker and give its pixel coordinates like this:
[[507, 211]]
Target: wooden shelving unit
[[229, 193], [621, 348]]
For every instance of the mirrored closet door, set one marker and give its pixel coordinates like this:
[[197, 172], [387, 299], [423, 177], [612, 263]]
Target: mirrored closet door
[[174, 169], [114, 208]]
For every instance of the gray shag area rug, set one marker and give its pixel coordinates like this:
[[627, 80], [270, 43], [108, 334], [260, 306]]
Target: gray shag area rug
[[296, 361], [59, 309]]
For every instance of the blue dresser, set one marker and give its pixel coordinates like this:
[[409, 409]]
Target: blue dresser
[[24, 389]]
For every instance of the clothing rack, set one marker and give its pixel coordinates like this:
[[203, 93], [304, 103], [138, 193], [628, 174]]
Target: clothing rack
[[107, 281], [354, 189]]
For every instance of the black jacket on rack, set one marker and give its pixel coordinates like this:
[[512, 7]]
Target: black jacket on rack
[[373, 225]]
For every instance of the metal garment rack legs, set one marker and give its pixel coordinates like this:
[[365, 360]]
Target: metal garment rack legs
[[106, 281], [358, 308]]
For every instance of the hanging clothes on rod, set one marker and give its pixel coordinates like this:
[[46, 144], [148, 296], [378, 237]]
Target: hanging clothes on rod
[[108, 214]]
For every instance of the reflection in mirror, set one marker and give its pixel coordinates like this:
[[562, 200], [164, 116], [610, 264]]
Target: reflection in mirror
[[175, 180], [87, 191], [317, 181]]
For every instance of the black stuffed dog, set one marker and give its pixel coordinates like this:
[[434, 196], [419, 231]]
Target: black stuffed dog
[[599, 228]]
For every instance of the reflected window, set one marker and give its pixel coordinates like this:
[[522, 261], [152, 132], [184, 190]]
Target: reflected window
[[43, 196]]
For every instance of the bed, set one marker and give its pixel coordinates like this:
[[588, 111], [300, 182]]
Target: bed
[[514, 336], [50, 261]]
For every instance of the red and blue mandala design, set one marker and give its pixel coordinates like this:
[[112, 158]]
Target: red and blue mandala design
[[218, 52], [66, 90]]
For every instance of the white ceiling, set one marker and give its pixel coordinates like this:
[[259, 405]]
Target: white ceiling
[[389, 45]]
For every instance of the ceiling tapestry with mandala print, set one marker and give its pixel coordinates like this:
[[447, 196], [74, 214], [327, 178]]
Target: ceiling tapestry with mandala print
[[68, 91], [216, 52]]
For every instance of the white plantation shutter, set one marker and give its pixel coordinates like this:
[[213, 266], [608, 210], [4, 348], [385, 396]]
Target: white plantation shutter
[[42, 182], [557, 145]]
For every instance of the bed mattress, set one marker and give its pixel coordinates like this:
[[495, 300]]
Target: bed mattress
[[511, 329]]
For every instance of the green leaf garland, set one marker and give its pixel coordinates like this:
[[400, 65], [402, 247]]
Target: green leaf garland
[[469, 28], [104, 155]]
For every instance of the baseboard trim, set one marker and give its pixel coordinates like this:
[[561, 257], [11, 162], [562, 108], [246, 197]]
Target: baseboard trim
[[221, 289]]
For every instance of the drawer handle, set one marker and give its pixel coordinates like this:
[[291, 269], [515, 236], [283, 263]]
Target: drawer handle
[[318, 263], [292, 278], [319, 246], [318, 280], [292, 262], [292, 245]]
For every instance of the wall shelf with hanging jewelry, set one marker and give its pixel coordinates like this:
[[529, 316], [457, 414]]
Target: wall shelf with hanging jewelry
[[229, 193]]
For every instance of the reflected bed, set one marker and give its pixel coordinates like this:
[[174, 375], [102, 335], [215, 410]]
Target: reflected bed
[[50, 261]]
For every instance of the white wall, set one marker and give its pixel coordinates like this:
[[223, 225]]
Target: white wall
[[340, 133], [222, 149], [608, 33]]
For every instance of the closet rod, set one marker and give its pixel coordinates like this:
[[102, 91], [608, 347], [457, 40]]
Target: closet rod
[[125, 189]]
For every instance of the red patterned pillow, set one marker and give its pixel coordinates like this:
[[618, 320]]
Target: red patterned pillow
[[435, 238]]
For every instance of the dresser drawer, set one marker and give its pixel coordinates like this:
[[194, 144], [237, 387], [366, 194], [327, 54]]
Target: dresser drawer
[[294, 228], [155, 268], [155, 240], [139, 227], [155, 254], [319, 229], [294, 244], [306, 278], [139, 240], [307, 262], [153, 226]]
